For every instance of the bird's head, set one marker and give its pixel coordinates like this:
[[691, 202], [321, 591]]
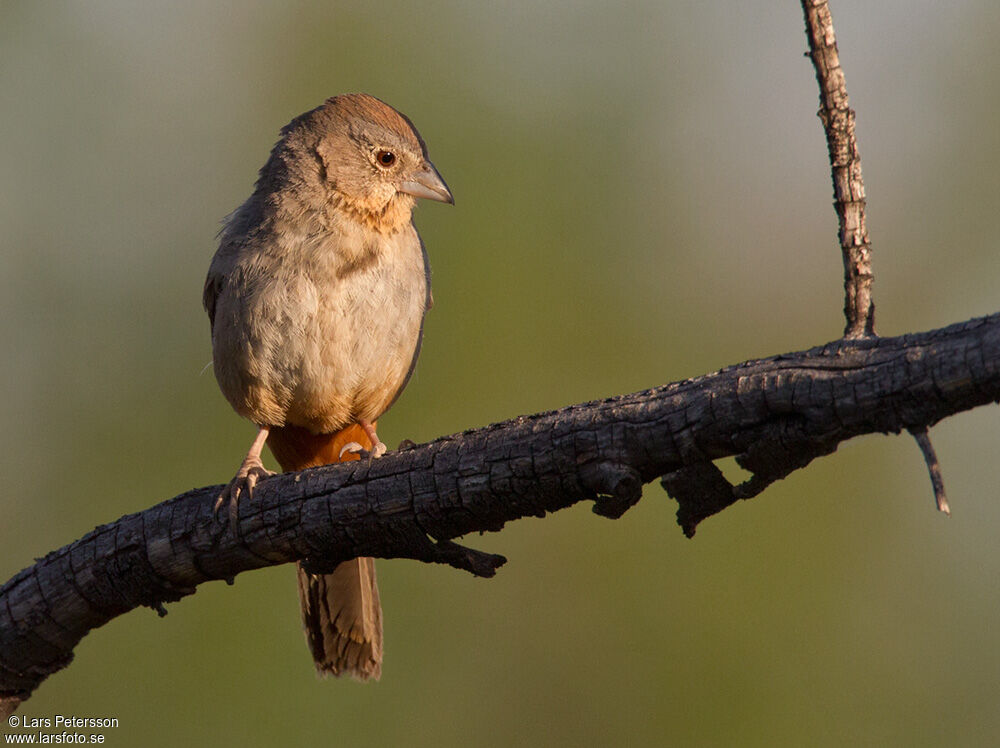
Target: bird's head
[[370, 159]]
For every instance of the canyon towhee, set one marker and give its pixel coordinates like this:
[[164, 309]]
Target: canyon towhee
[[316, 298]]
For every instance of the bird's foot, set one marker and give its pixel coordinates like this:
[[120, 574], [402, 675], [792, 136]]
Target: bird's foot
[[251, 471], [351, 448], [377, 450]]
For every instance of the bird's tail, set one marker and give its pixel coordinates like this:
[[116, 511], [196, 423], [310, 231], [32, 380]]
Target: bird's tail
[[341, 611]]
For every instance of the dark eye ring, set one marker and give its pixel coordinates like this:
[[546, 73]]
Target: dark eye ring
[[385, 158]]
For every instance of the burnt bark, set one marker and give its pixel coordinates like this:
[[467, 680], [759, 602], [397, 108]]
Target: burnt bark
[[775, 415]]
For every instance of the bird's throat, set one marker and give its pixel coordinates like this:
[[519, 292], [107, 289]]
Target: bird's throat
[[386, 218]]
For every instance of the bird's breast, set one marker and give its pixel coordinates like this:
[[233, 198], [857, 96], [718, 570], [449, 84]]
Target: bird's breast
[[353, 345]]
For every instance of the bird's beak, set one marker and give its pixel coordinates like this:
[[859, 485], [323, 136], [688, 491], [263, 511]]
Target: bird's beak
[[427, 183]]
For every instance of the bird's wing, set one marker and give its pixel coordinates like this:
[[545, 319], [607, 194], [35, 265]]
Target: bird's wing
[[213, 284]]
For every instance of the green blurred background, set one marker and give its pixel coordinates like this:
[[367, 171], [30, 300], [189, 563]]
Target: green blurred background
[[643, 196]]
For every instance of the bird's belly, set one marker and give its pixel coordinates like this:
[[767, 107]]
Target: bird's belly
[[356, 352]]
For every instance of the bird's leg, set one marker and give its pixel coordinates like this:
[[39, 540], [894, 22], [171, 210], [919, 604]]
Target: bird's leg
[[251, 470], [377, 449]]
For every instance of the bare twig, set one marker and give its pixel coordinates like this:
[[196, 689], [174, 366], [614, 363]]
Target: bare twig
[[848, 186], [933, 467]]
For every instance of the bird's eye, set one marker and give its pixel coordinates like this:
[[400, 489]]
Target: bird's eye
[[385, 158]]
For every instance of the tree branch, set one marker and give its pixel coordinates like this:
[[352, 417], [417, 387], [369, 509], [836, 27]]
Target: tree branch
[[849, 199], [933, 468], [845, 161], [775, 415]]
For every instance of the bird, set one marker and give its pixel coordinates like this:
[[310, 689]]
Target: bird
[[316, 298]]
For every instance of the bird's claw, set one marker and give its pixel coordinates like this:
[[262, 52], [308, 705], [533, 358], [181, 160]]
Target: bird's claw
[[246, 478], [350, 448], [378, 449]]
